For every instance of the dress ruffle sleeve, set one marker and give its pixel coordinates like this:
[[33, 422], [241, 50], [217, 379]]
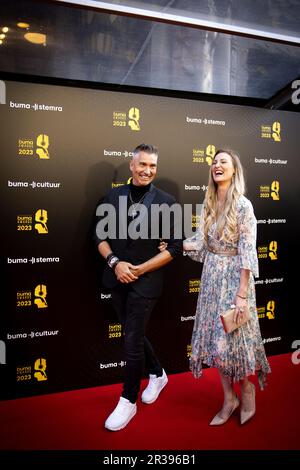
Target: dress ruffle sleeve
[[247, 237], [198, 247]]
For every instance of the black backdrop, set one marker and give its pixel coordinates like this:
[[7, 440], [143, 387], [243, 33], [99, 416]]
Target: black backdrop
[[62, 149]]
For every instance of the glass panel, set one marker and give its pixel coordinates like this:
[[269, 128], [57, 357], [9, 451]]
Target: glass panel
[[281, 17], [89, 45]]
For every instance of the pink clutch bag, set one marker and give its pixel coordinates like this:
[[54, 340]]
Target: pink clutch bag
[[227, 319]]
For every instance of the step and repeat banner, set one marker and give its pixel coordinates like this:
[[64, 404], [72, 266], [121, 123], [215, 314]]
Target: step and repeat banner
[[62, 149]]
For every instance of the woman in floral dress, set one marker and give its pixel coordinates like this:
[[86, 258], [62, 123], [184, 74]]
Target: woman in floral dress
[[226, 243]]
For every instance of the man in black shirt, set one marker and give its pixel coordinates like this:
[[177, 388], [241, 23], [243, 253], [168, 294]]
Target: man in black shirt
[[134, 275]]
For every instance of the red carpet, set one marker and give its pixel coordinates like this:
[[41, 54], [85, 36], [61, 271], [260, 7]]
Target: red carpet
[[178, 420]]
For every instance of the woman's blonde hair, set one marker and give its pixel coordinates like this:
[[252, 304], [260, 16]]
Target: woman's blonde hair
[[226, 221]]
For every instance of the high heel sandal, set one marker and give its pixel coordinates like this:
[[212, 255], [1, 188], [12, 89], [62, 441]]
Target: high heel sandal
[[218, 420], [246, 415]]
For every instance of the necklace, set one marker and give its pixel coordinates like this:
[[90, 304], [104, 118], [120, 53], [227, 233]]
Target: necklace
[[134, 205]]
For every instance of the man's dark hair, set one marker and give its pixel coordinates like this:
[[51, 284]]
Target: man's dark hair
[[148, 148]]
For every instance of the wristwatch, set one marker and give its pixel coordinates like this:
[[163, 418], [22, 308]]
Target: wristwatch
[[113, 261]]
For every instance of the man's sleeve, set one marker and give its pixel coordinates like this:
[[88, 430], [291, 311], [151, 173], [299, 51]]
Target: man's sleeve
[[175, 243]]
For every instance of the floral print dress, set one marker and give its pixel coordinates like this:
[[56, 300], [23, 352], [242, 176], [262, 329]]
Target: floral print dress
[[240, 353]]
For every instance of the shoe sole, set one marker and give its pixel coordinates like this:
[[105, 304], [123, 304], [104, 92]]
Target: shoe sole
[[152, 401], [123, 426]]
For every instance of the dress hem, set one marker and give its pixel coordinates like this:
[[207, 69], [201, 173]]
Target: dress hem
[[262, 372]]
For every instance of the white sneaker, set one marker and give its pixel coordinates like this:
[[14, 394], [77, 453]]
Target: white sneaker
[[154, 387], [122, 414]]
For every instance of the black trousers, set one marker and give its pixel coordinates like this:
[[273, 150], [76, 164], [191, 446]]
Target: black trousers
[[134, 312]]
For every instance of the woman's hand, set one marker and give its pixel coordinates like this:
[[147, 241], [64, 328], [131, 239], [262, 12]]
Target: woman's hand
[[162, 245], [240, 307]]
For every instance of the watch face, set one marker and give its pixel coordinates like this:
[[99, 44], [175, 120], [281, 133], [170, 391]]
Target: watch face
[[113, 261]]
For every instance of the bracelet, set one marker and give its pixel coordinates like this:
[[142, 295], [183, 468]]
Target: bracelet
[[108, 258], [241, 297]]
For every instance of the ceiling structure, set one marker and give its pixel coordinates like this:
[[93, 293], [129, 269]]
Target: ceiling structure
[[235, 49]]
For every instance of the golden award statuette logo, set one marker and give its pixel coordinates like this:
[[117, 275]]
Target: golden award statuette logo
[[40, 293], [41, 218], [275, 190], [273, 250], [276, 128], [42, 143], [40, 367], [271, 310], [133, 119], [210, 154]]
